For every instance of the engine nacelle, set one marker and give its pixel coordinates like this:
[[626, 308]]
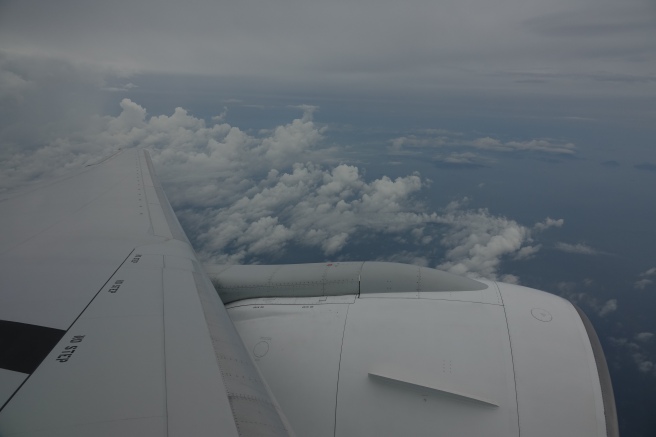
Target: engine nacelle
[[465, 358]]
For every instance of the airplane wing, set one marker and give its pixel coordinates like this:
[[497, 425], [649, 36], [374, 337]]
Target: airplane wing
[[108, 324]]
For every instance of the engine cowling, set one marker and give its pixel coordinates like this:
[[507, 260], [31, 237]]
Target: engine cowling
[[415, 351]]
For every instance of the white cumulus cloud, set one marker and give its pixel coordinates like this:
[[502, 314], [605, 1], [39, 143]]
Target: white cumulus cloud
[[250, 198], [528, 252], [478, 241], [548, 223]]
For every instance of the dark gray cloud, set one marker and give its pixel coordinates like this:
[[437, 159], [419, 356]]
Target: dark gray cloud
[[646, 166], [606, 20]]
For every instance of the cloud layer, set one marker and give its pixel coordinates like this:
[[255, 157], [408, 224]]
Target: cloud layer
[[250, 197], [502, 45], [412, 143], [578, 248]]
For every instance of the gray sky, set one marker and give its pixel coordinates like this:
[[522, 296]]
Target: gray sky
[[581, 59], [555, 46]]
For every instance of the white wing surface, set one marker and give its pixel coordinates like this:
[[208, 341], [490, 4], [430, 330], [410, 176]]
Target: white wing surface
[[108, 324]]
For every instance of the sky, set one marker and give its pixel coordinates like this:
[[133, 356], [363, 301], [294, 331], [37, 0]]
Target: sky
[[505, 139]]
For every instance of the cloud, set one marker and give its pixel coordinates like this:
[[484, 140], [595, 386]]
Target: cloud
[[12, 85], [644, 336], [407, 144], [536, 145], [579, 248], [580, 119], [639, 356], [121, 88], [318, 207], [424, 46], [478, 241], [618, 342], [609, 307], [646, 166], [404, 143], [594, 23], [641, 284], [510, 279], [548, 223], [649, 272], [568, 290], [644, 280], [462, 160], [221, 117], [611, 164], [644, 365], [528, 252], [248, 198], [43, 99], [292, 139]]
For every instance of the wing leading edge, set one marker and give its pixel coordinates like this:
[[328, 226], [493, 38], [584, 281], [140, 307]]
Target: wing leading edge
[[108, 324]]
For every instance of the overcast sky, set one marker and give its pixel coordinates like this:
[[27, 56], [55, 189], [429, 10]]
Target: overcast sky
[[507, 139], [598, 56], [555, 46]]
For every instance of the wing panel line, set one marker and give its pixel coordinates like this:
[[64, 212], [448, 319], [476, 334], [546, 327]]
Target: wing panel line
[[512, 359], [339, 365]]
